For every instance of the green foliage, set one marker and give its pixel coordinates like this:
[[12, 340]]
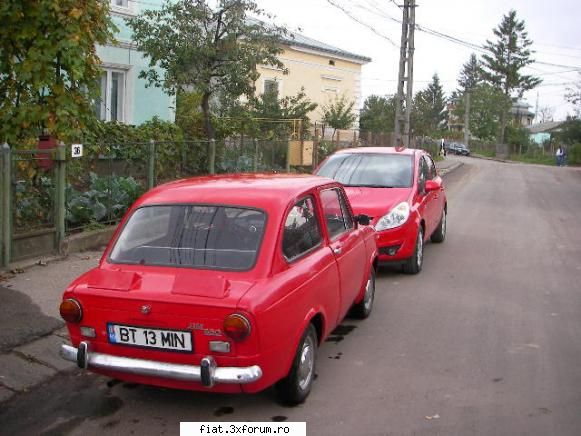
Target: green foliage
[[428, 111], [487, 106], [107, 199], [214, 51], [49, 68], [378, 114], [33, 201], [509, 54], [569, 132], [518, 136], [471, 74], [339, 114]]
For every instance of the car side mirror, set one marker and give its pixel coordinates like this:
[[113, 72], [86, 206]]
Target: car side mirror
[[432, 185], [363, 219]]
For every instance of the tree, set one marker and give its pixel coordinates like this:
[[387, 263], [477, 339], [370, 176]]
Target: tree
[[508, 55], [573, 96], [339, 114], [545, 113], [488, 106], [49, 70], [378, 114], [429, 108], [471, 74], [212, 50]]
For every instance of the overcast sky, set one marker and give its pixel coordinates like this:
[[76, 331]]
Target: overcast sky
[[554, 26]]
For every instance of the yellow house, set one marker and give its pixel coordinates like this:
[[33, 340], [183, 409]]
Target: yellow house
[[325, 72]]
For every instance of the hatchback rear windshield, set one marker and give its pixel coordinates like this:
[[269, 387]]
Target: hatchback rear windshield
[[198, 236], [374, 170]]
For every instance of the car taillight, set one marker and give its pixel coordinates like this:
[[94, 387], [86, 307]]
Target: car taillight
[[236, 327], [71, 311]]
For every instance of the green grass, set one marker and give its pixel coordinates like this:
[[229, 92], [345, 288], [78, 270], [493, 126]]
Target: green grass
[[543, 160], [485, 153]]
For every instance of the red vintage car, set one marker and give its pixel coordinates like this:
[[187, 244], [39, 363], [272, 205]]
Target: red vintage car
[[225, 284], [403, 193]]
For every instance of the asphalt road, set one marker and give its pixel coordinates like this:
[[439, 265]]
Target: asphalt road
[[485, 341]]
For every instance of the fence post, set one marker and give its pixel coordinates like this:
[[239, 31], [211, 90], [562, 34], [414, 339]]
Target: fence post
[[6, 209], [151, 165], [60, 196]]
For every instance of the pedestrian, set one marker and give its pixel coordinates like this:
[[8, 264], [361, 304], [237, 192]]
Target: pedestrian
[[442, 148], [559, 155]]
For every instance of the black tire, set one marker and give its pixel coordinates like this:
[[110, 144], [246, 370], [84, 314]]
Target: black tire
[[363, 309], [296, 386], [413, 265], [439, 234]]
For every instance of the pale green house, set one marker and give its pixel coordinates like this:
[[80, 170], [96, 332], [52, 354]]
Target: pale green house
[[124, 96]]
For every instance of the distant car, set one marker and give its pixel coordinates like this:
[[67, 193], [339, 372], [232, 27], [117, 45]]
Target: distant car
[[403, 193], [224, 284], [457, 148]]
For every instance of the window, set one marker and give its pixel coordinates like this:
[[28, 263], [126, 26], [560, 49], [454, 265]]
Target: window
[[336, 213], [271, 87], [197, 236], [111, 104], [422, 175], [331, 62], [301, 230], [372, 170], [120, 3]]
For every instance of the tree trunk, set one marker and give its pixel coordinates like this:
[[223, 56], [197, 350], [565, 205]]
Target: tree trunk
[[210, 133]]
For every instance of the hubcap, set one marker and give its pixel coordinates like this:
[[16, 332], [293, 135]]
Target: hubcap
[[306, 363], [420, 249], [369, 291]]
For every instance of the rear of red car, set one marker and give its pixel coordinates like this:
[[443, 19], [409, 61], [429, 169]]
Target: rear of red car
[[162, 308]]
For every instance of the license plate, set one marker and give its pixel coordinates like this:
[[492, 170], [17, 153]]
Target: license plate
[[173, 340]]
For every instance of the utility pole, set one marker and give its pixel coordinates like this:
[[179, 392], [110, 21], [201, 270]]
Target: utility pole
[[405, 77], [467, 117]]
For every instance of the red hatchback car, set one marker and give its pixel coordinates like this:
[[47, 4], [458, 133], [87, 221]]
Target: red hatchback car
[[224, 283], [401, 190]]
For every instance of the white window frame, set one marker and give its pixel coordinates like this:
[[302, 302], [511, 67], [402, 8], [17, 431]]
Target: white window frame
[[125, 100], [128, 10]]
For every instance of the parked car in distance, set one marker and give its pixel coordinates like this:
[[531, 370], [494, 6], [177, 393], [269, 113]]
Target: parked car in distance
[[457, 148], [402, 192], [224, 284]]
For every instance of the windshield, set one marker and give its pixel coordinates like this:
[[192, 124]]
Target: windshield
[[376, 170], [198, 236]]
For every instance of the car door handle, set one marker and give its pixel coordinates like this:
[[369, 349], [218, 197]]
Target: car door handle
[[337, 250]]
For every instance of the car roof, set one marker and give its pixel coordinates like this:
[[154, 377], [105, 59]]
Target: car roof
[[262, 191], [378, 150]]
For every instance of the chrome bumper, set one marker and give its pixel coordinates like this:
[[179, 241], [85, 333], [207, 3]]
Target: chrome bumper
[[208, 373]]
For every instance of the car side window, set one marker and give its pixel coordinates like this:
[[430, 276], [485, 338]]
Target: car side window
[[432, 173], [334, 210], [422, 175], [301, 229]]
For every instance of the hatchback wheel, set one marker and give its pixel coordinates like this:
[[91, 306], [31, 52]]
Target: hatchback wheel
[[362, 309], [296, 386], [440, 233], [414, 264]]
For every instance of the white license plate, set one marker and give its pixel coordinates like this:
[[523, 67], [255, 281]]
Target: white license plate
[[174, 340]]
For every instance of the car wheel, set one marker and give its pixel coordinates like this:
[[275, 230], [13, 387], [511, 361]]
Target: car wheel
[[296, 386], [414, 264], [440, 233], [363, 309]]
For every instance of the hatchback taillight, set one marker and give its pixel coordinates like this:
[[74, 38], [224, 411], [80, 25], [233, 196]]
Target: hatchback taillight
[[71, 311]]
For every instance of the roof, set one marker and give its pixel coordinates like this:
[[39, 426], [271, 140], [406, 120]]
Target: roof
[[544, 127], [264, 191], [299, 40]]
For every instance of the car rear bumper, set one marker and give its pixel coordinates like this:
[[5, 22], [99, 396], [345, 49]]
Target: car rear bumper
[[208, 373]]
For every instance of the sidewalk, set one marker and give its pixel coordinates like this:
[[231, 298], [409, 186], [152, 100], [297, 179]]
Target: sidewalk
[[31, 329]]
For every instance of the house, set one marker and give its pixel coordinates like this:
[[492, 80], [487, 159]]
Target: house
[[541, 133], [325, 72], [521, 115], [124, 96]]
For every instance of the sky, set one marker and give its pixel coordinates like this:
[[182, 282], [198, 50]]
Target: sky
[[553, 26]]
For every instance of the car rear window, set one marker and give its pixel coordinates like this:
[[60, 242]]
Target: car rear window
[[374, 170], [197, 236]]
